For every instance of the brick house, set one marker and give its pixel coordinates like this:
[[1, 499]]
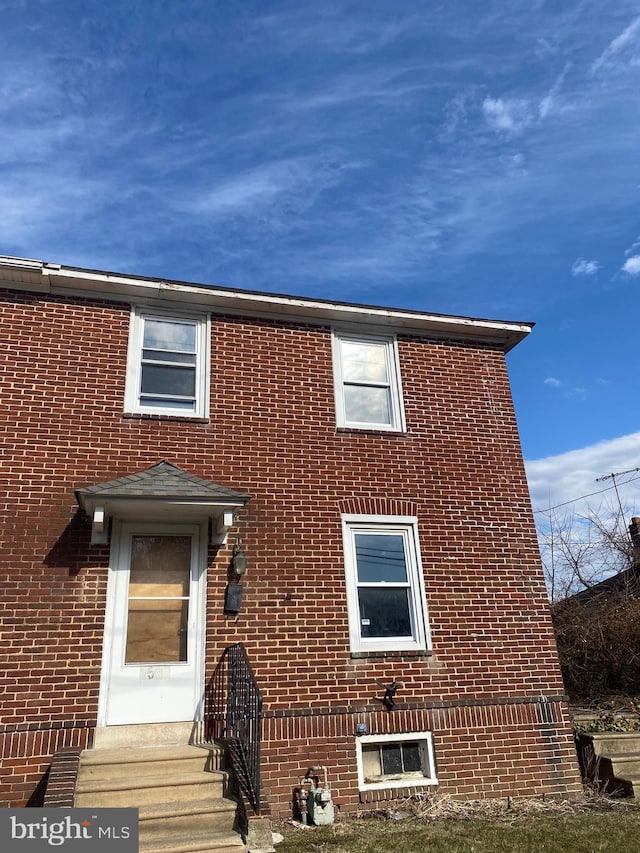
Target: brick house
[[337, 487]]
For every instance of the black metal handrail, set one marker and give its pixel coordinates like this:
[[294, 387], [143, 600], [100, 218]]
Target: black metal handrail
[[233, 715]]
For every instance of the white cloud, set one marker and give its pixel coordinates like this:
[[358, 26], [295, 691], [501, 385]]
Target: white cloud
[[332, 30], [633, 248], [546, 105], [632, 265], [550, 101], [557, 479], [510, 115], [583, 267], [571, 392], [513, 115], [617, 44], [457, 112], [244, 191], [294, 182], [576, 392]]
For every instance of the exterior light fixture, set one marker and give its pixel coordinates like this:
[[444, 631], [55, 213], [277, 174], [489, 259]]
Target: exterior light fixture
[[239, 558]]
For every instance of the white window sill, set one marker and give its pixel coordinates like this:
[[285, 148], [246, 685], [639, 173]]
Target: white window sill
[[166, 416], [404, 782]]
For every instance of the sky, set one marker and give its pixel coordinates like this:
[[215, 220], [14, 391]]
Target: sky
[[477, 159]]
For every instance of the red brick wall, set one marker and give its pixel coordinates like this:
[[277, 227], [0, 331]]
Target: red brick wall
[[272, 434], [481, 750]]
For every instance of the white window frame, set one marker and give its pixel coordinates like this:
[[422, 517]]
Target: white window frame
[[425, 739], [407, 526], [132, 400], [394, 384]]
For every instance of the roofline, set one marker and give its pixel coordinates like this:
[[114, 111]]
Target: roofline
[[56, 279], [85, 496]]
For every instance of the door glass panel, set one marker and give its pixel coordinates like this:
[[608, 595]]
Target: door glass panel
[[158, 599], [157, 635]]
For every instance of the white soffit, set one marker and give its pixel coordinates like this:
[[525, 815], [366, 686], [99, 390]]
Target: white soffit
[[27, 274]]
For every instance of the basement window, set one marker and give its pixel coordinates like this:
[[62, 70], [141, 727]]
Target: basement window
[[395, 761]]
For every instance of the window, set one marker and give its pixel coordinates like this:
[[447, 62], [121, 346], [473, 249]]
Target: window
[[395, 761], [168, 371], [386, 603], [367, 382]]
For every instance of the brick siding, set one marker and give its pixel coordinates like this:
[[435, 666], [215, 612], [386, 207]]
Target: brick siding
[[272, 434]]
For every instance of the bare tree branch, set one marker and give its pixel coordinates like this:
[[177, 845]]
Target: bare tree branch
[[579, 551]]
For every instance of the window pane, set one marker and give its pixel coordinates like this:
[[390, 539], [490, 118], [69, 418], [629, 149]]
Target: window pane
[[170, 335], [366, 405], [371, 766], [411, 757], [384, 612], [168, 403], [157, 634], [155, 355], [391, 759], [157, 619], [160, 566], [362, 362], [380, 558], [178, 381]]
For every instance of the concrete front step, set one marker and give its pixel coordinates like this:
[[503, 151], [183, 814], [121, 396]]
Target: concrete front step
[[114, 763], [197, 842], [143, 790], [179, 791], [163, 819], [204, 831]]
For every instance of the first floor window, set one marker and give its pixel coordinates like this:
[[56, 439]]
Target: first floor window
[[395, 760], [167, 371], [385, 591]]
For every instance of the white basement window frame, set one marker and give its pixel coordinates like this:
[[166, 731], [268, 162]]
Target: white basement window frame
[[367, 383], [168, 364], [386, 600], [399, 760]]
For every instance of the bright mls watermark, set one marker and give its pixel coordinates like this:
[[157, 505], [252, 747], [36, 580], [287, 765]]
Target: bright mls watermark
[[69, 830]]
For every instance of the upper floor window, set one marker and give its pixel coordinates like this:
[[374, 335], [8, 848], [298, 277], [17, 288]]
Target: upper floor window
[[367, 380], [167, 372], [385, 590]]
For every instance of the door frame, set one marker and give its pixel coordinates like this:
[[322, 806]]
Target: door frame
[[121, 529]]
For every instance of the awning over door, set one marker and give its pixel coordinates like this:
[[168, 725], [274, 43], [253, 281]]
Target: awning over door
[[161, 491]]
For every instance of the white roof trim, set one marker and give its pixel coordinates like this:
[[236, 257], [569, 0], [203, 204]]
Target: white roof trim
[[27, 274]]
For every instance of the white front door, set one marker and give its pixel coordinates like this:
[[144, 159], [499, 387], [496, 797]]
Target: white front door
[[154, 631]]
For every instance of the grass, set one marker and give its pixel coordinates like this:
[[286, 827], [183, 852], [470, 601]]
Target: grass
[[594, 824]]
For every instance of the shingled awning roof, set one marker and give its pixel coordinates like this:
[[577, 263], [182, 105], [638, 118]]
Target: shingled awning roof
[[162, 482], [161, 490]]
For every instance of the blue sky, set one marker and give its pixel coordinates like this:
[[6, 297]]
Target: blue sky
[[458, 157]]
